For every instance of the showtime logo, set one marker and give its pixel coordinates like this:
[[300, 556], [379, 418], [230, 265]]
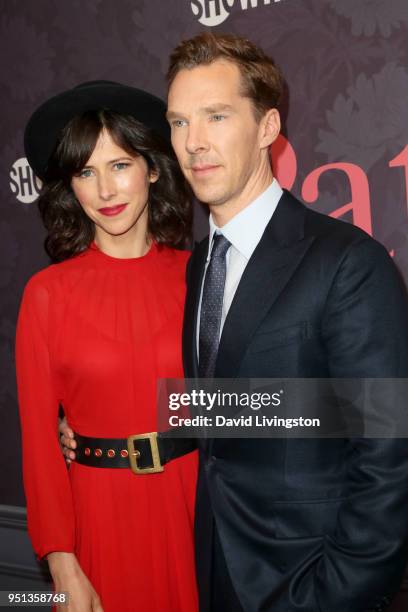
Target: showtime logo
[[23, 183], [213, 12]]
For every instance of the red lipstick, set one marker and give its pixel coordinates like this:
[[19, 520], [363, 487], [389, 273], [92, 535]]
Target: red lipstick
[[110, 211]]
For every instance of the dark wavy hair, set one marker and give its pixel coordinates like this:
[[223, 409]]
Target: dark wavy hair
[[69, 230]]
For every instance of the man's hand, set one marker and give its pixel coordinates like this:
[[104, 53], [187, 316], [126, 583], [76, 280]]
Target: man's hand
[[67, 440]]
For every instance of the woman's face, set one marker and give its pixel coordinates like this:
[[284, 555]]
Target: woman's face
[[113, 189]]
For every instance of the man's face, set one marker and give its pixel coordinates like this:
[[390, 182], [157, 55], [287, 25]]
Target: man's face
[[219, 144]]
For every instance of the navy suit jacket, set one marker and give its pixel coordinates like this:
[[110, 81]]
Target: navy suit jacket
[[307, 525]]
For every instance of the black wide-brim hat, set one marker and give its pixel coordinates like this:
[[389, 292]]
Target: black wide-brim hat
[[46, 123]]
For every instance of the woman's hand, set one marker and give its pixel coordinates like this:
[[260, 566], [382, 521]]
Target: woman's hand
[[69, 577], [67, 440]]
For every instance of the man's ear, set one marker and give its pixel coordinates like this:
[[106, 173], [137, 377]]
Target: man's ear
[[269, 128]]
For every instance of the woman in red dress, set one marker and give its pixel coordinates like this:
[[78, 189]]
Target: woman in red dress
[[95, 332]]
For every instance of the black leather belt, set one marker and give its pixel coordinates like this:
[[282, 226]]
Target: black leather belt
[[145, 453]]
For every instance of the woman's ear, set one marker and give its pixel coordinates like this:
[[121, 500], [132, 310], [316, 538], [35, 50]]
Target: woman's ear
[[153, 175]]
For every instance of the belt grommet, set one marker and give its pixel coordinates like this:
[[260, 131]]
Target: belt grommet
[[111, 453], [87, 452], [124, 453], [98, 452]]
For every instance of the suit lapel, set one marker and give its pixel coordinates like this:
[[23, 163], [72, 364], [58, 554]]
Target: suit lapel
[[275, 259], [195, 274]]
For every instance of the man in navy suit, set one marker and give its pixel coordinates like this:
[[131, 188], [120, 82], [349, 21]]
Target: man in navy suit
[[277, 290], [284, 525]]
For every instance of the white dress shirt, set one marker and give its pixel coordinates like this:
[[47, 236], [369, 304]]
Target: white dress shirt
[[244, 231]]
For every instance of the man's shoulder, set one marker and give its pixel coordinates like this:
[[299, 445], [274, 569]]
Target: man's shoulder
[[324, 225], [321, 224], [329, 232], [332, 233], [332, 240]]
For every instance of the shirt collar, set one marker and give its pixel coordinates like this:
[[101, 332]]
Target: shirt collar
[[245, 230]]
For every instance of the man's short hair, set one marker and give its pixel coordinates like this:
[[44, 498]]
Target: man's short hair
[[261, 79]]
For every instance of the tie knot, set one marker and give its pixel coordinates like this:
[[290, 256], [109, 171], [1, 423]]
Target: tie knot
[[220, 246]]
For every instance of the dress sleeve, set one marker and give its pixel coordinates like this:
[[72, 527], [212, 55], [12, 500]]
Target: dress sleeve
[[51, 524]]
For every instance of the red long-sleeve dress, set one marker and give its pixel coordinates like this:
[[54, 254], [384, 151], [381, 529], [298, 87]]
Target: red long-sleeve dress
[[94, 334]]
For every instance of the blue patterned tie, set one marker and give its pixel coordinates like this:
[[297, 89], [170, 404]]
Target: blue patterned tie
[[211, 306]]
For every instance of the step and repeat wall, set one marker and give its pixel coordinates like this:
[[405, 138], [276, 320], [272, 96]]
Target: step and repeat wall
[[343, 150]]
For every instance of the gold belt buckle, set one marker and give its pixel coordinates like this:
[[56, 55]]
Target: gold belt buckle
[[135, 454]]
